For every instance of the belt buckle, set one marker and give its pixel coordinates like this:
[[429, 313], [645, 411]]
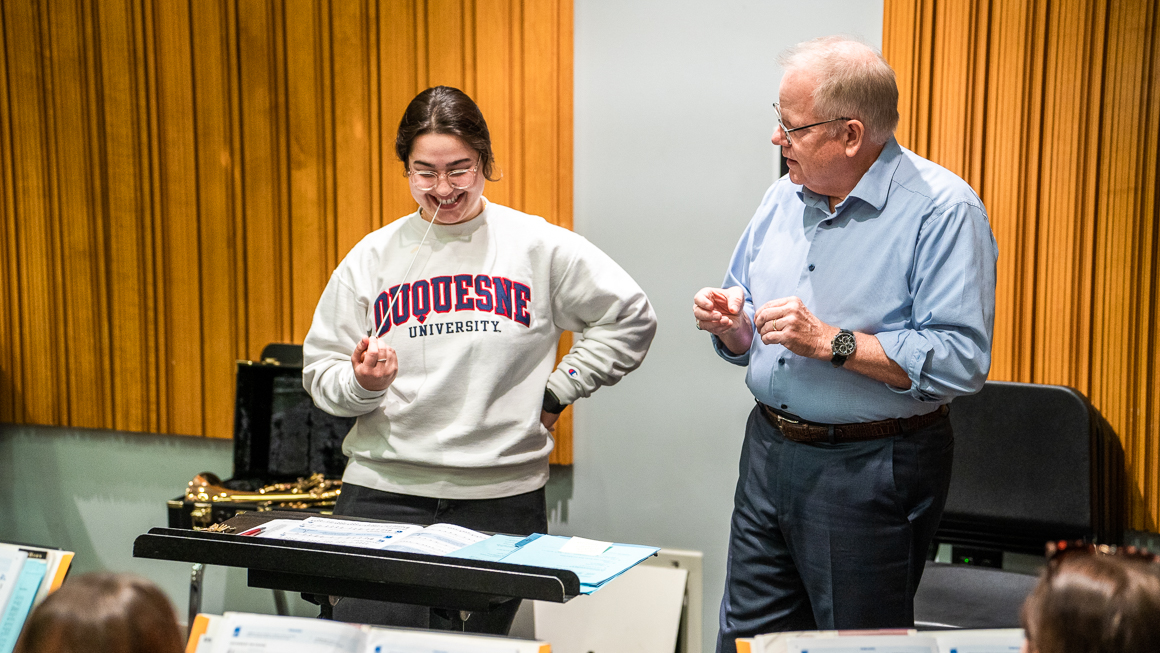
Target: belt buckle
[[782, 421], [787, 420]]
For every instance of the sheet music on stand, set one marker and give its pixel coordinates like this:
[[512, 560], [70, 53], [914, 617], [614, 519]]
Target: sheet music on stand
[[335, 570], [436, 539], [594, 562]]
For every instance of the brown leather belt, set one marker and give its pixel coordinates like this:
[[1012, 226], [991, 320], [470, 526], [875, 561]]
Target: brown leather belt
[[800, 430]]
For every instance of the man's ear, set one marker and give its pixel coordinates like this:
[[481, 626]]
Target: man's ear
[[853, 137]]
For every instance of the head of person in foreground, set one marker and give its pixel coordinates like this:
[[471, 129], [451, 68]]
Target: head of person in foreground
[[103, 613], [1088, 601]]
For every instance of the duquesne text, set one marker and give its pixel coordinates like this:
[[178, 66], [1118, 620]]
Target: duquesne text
[[444, 294]]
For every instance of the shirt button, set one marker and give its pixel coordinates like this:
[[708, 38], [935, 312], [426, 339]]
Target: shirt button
[[781, 361], [811, 267], [783, 407]]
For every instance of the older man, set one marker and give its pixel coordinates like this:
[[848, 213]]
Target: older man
[[861, 297]]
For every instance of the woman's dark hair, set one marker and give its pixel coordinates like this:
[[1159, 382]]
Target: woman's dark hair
[[446, 110], [1095, 604], [103, 613]]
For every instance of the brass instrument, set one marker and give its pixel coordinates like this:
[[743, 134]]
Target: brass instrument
[[312, 491]]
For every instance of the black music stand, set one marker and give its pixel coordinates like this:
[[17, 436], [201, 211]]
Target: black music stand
[[434, 581]]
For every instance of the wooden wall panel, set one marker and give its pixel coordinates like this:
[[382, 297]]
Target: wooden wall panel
[[1148, 467], [355, 187], [1051, 110], [1071, 96], [1126, 254], [264, 187], [70, 165], [540, 84], [404, 73], [12, 409], [446, 26], [179, 178], [307, 98], [38, 334], [214, 96], [494, 74], [130, 182], [180, 322]]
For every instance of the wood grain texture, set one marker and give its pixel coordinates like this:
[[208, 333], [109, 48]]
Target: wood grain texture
[[179, 178], [1051, 110]]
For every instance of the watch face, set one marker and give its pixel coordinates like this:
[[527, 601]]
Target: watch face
[[843, 344]]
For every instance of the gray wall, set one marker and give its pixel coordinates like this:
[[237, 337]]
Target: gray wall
[[673, 119], [94, 492]]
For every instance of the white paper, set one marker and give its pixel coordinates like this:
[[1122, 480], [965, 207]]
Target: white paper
[[585, 546], [396, 641], [343, 532], [272, 528], [252, 633], [1005, 640], [864, 644], [437, 539], [11, 562]]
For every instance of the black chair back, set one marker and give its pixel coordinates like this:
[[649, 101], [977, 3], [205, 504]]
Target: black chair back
[[1032, 463]]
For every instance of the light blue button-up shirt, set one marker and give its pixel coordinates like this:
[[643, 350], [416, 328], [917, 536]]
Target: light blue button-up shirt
[[908, 256]]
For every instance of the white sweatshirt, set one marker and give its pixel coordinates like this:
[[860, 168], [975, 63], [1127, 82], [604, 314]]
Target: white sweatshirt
[[475, 327]]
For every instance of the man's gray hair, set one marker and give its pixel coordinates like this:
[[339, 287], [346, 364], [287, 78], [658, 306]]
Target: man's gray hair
[[853, 81]]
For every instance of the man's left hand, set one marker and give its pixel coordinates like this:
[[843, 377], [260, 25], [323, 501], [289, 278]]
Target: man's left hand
[[789, 323]]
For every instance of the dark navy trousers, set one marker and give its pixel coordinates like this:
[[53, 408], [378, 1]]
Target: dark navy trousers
[[522, 514], [831, 536]]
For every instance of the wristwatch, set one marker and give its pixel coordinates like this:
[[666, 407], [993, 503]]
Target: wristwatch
[[552, 404], [843, 346]]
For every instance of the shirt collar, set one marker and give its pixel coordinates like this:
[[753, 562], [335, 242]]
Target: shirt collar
[[874, 186], [459, 231]]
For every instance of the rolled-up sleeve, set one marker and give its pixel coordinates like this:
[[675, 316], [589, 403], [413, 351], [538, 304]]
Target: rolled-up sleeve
[[947, 353], [597, 299]]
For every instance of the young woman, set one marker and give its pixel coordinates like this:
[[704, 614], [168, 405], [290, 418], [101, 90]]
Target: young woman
[[439, 331]]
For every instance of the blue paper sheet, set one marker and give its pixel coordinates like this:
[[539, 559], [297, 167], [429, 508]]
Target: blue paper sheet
[[592, 570], [544, 551], [20, 602], [494, 548]]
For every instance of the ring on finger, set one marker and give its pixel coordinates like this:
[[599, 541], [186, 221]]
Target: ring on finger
[[697, 323], [775, 328]]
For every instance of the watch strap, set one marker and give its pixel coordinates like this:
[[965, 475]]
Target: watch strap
[[552, 403]]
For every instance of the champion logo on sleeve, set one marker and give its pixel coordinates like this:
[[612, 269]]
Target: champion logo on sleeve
[[572, 371]]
